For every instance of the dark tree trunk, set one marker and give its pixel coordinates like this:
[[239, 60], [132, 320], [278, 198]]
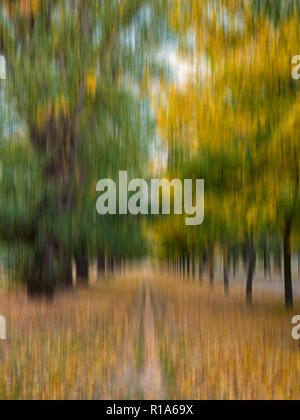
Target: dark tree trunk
[[234, 263], [245, 257], [201, 268], [225, 270], [289, 301], [41, 279], [188, 264], [183, 265], [205, 261], [110, 264], [251, 270], [101, 264], [211, 265], [82, 266], [193, 263], [267, 261]]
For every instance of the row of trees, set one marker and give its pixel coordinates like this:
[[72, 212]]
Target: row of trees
[[75, 110], [76, 71], [235, 124]]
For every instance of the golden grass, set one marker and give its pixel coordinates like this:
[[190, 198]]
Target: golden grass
[[216, 348], [91, 344], [80, 346]]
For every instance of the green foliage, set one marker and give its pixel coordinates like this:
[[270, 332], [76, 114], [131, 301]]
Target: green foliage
[[75, 73]]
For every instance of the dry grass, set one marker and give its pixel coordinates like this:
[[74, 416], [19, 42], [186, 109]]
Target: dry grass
[[92, 344], [79, 347], [215, 348]]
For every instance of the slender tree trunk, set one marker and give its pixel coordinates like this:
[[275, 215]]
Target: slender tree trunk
[[225, 270], [82, 266], [177, 267], [251, 270], [267, 261], [234, 263], [201, 268], [193, 262], [110, 264], [101, 264], [211, 265], [183, 266], [289, 301], [188, 264], [205, 261]]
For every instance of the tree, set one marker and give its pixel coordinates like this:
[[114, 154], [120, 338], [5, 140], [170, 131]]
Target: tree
[[69, 66], [239, 113]]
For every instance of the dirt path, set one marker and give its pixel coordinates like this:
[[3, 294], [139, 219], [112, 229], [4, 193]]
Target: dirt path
[[152, 380]]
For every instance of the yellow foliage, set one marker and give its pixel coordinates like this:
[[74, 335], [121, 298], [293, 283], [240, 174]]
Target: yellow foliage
[[91, 84], [25, 8]]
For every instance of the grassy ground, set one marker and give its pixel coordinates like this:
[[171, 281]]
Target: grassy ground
[[80, 346], [148, 336], [216, 348]]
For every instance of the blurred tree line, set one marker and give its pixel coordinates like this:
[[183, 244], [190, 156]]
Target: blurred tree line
[[75, 109], [76, 70], [235, 124]]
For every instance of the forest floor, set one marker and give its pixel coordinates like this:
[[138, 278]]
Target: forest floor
[[149, 335]]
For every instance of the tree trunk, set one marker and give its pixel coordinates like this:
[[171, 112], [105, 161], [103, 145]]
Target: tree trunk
[[58, 141], [288, 267], [234, 263], [193, 262], [225, 270], [183, 265], [201, 268], [211, 265], [188, 265], [41, 279], [251, 270], [267, 261], [101, 264], [110, 264], [82, 266], [245, 257]]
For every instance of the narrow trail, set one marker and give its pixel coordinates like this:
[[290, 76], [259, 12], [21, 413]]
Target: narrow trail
[[152, 378]]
